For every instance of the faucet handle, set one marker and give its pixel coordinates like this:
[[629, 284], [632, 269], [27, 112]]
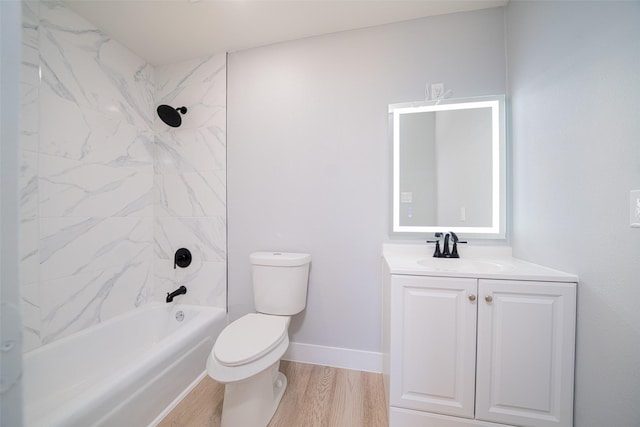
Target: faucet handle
[[436, 253], [454, 251], [438, 236]]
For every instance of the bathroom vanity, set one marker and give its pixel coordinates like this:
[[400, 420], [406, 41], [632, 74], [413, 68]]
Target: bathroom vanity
[[484, 340]]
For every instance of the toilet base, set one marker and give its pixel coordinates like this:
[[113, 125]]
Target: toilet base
[[252, 402]]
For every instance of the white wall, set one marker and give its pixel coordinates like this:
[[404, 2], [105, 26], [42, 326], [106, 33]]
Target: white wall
[[10, 322], [574, 83], [309, 155]]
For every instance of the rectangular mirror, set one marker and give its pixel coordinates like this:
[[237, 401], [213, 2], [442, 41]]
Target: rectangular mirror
[[449, 167]]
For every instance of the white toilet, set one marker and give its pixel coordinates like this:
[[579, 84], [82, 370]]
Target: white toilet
[[246, 355]]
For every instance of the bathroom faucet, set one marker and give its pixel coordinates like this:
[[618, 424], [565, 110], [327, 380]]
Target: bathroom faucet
[[445, 249], [180, 291]]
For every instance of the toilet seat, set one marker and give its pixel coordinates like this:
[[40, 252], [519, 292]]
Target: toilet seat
[[238, 344], [249, 338]]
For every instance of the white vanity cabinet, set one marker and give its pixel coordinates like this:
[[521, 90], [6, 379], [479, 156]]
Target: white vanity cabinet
[[475, 351], [525, 352], [433, 344]]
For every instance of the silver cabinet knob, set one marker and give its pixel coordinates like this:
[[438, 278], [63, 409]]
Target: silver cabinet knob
[[488, 298], [472, 297]]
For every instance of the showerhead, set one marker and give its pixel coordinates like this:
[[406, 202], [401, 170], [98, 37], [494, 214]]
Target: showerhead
[[170, 115]]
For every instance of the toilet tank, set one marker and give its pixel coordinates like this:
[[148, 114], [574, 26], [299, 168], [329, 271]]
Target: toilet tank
[[280, 282]]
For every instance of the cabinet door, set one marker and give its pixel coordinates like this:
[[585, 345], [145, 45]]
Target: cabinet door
[[433, 339], [526, 343]]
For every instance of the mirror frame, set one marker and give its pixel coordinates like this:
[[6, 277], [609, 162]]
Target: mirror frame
[[498, 155]]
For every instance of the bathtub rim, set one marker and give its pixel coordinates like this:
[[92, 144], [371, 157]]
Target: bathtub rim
[[140, 368], [122, 316]]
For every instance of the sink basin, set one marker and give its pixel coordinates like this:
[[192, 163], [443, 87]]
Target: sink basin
[[464, 265]]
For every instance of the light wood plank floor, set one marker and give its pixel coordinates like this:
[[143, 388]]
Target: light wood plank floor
[[316, 396]]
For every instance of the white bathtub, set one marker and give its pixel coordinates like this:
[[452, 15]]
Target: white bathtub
[[127, 371]]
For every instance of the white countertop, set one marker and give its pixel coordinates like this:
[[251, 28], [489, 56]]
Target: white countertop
[[482, 262]]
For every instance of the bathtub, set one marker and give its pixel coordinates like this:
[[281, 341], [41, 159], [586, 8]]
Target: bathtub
[[127, 371]]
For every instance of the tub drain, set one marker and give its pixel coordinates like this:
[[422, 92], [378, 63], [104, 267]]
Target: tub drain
[[180, 316]]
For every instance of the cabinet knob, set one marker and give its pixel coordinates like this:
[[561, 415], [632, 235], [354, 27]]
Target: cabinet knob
[[472, 297], [488, 298]]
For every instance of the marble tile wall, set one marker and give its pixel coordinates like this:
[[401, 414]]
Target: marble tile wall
[[107, 194], [190, 180]]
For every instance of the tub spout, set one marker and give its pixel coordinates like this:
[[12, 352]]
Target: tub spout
[[180, 291]]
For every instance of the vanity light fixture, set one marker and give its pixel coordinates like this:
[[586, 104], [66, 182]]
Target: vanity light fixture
[[456, 178]]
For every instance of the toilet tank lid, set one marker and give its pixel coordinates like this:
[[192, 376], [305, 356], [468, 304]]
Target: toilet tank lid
[[279, 259]]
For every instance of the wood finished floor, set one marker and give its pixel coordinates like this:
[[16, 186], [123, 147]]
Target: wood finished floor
[[315, 396]]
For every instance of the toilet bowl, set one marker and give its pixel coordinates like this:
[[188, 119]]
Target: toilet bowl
[[247, 346], [246, 355]]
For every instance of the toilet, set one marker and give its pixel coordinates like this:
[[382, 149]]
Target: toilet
[[246, 355]]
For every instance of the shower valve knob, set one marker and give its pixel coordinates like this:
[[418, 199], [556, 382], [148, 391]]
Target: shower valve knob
[[182, 258]]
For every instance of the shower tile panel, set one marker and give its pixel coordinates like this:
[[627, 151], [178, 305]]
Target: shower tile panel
[[29, 77], [28, 182], [72, 246], [29, 116], [63, 126], [132, 287], [30, 22], [71, 188], [190, 150], [206, 282], [129, 79], [29, 253], [73, 303], [71, 68], [204, 237], [93, 136], [194, 194], [205, 277], [84, 66], [30, 69], [190, 180], [200, 85], [30, 316]]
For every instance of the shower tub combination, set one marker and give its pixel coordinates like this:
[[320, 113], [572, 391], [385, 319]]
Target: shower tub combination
[[127, 371]]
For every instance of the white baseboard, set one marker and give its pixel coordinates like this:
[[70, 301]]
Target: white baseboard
[[334, 356]]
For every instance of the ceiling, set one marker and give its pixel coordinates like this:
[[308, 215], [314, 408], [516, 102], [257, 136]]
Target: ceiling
[[166, 31]]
